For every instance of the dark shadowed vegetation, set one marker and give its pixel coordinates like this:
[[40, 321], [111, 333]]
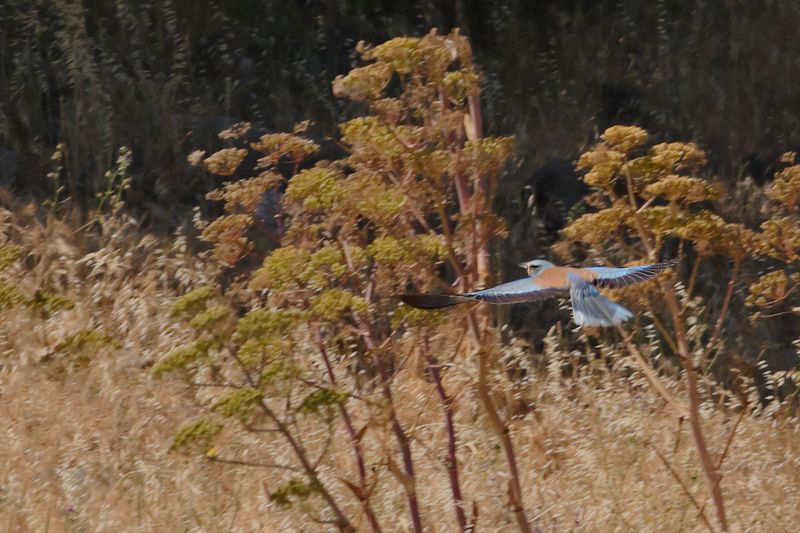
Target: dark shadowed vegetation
[[163, 78]]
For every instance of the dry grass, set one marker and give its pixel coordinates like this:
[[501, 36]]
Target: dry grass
[[86, 447]]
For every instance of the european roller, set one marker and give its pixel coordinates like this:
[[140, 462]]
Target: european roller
[[545, 280]]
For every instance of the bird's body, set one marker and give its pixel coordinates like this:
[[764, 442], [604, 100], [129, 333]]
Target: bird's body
[[545, 280]]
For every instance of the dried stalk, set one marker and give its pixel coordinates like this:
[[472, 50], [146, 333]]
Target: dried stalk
[[662, 329], [480, 197], [307, 467], [677, 406], [500, 429], [452, 457], [693, 275], [737, 263], [700, 511], [362, 491], [276, 466], [712, 474], [684, 354]]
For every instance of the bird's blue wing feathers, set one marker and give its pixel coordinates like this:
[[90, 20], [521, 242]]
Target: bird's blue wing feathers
[[617, 277], [590, 308], [521, 290]]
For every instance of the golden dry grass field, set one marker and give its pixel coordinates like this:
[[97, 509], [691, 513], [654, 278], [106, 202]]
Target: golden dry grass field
[[85, 433]]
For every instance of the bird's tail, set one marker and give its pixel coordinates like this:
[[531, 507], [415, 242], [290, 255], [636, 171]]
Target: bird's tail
[[433, 301], [590, 308]]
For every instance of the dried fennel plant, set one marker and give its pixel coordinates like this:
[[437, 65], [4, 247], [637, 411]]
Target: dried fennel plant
[[650, 201], [409, 201], [776, 292]]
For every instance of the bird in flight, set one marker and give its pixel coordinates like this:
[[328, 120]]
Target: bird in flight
[[545, 280]]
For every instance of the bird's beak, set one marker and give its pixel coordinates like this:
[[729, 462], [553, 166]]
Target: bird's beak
[[523, 265]]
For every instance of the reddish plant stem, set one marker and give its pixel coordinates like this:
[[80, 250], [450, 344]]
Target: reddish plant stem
[[400, 434], [711, 472], [452, 457], [402, 438], [355, 440], [480, 198], [405, 448], [499, 427], [465, 206], [684, 354], [471, 203]]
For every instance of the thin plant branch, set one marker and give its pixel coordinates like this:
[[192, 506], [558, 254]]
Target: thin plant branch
[[662, 329], [325, 447], [355, 439], [500, 428], [218, 459], [678, 408], [452, 451], [686, 490], [737, 262], [342, 522], [693, 275], [728, 443]]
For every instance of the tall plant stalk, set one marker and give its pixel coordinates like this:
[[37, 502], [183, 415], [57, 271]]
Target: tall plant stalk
[[384, 216], [408, 480], [475, 204], [684, 354], [452, 443], [407, 477], [500, 429], [711, 472], [362, 491]]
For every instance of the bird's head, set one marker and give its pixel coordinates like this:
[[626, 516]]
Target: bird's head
[[535, 266]]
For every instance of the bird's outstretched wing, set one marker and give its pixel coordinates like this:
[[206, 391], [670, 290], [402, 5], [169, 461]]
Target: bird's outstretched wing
[[611, 277], [521, 290], [590, 308]]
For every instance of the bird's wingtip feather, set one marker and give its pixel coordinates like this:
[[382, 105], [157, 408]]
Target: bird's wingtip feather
[[431, 301]]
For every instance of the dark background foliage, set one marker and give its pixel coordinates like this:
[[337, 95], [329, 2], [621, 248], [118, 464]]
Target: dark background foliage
[[164, 77]]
